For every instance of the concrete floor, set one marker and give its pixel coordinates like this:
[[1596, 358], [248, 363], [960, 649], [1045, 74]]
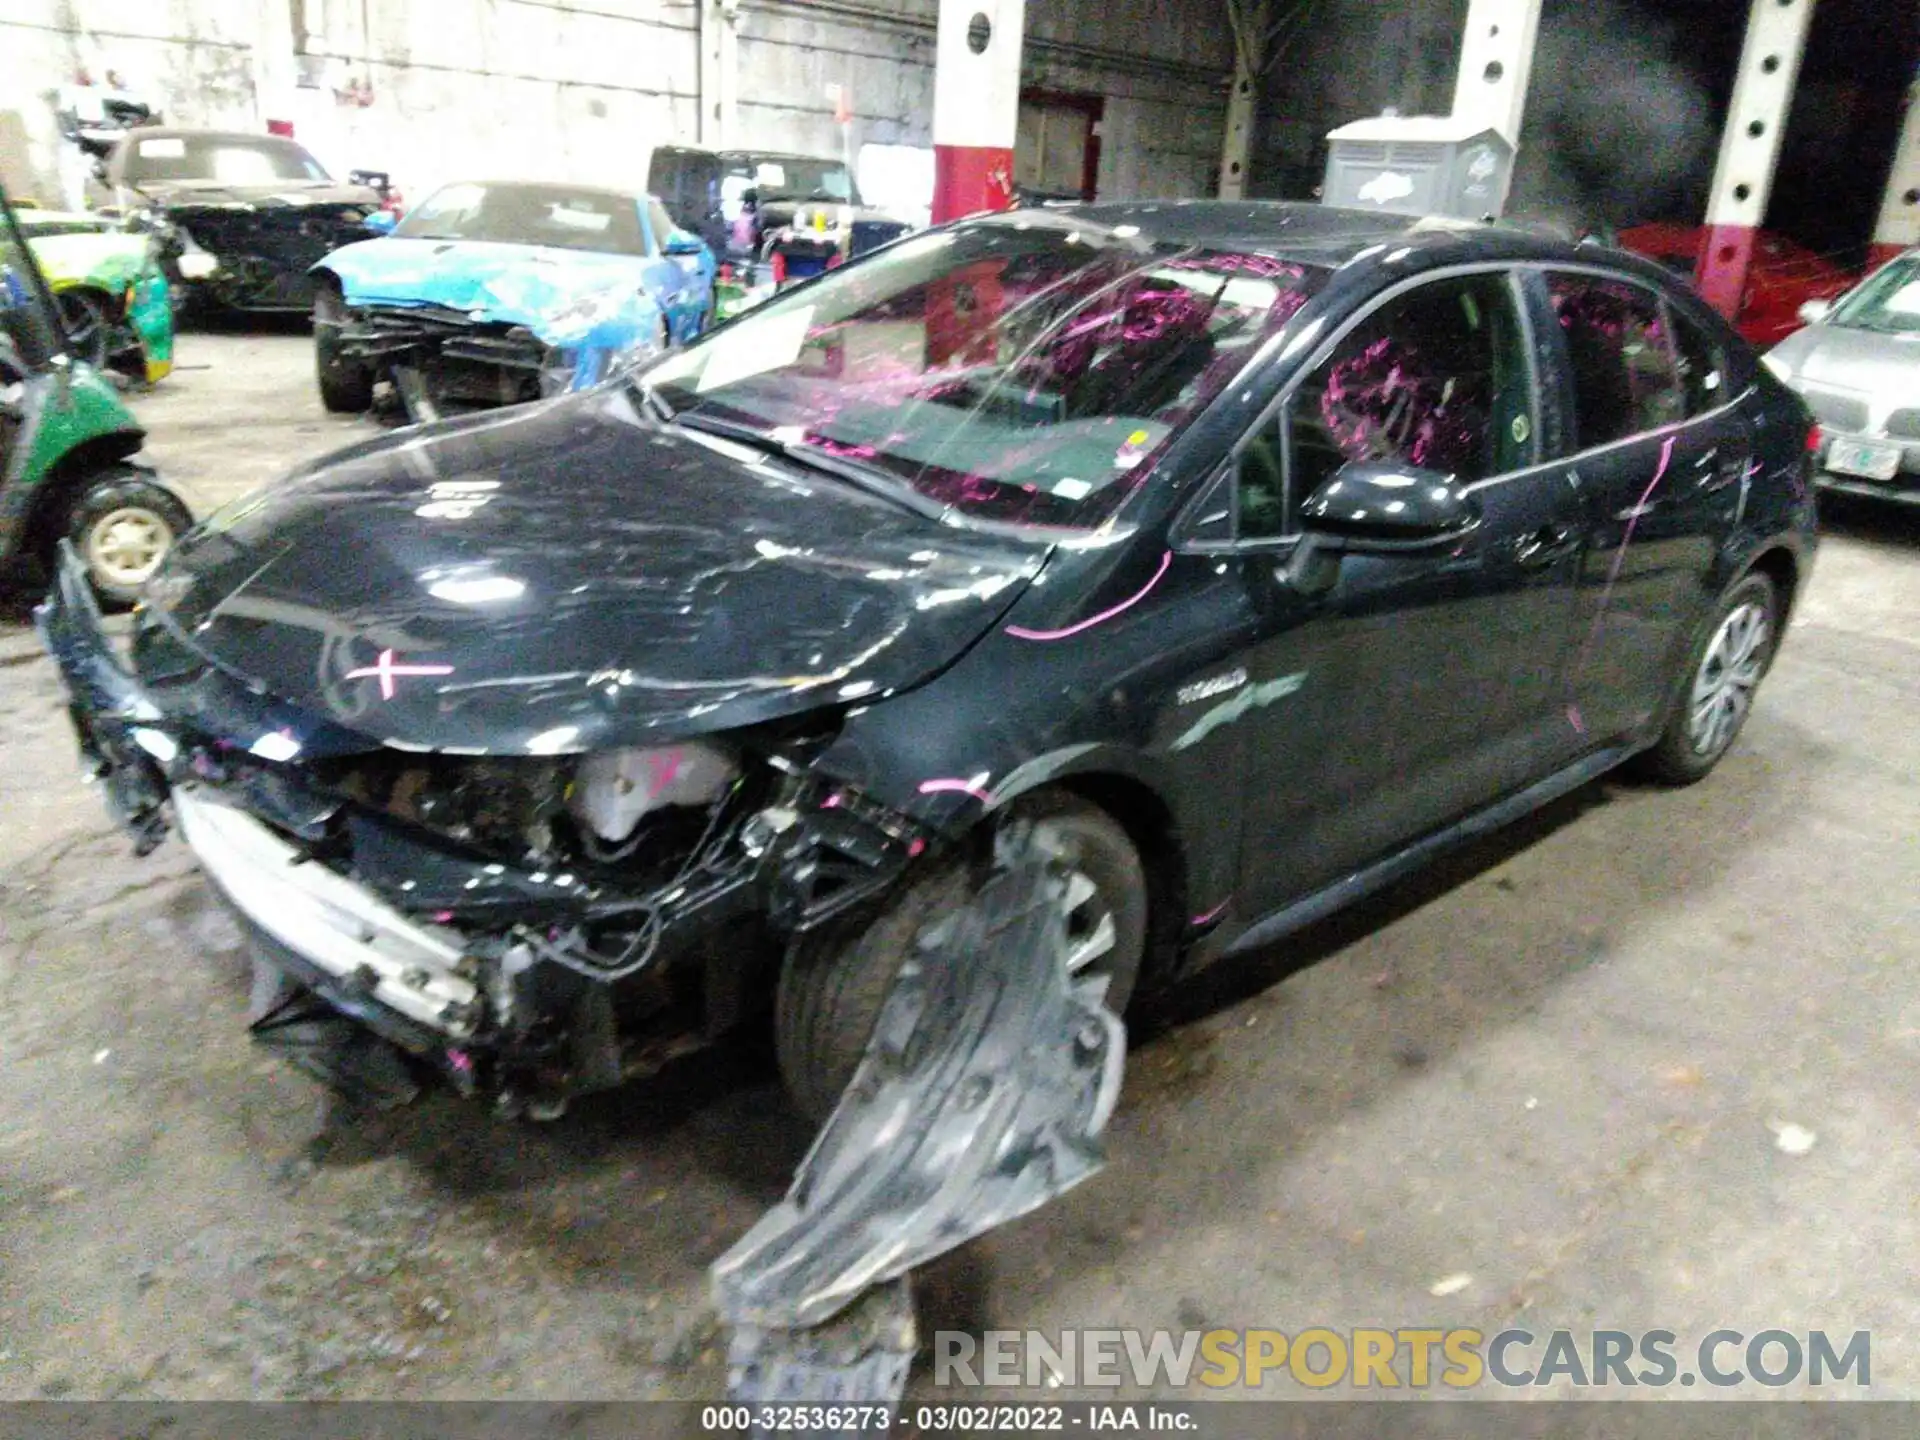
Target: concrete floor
[[1558, 1067]]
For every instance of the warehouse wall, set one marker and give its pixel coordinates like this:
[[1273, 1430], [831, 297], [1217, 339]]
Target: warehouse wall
[[431, 89], [1351, 60]]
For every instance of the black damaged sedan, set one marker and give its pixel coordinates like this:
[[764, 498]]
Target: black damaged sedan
[[1254, 553]]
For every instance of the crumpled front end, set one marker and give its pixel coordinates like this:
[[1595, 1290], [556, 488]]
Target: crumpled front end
[[453, 340], [532, 928]]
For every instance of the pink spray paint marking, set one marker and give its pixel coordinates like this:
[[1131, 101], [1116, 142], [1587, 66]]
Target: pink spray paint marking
[[1211, 915], [832, 802], [1613, 575], [1021, 633], [387, 671]]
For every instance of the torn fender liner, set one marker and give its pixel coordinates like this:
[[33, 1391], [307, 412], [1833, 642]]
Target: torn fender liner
[[861, 1356], [990, 1074]]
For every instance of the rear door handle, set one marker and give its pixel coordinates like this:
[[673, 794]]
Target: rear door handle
[[1544, 546]]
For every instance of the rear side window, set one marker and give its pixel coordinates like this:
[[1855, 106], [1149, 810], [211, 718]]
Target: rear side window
[[1703, 365], [1626, 376]]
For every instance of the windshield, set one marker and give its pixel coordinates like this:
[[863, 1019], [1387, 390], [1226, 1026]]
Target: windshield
[[563, 216], [790, 179], [235, 159], [1889, 301], [1030, 370]]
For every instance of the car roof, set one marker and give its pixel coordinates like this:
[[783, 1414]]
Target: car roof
[[747, 154], [1334, 238]]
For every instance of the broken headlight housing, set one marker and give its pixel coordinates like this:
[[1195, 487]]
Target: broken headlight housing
[[613, 790]]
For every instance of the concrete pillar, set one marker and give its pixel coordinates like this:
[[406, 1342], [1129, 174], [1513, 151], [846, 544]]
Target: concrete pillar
[[1237, 148], [1496, 64], [719, 70], [1899, 223], [1750, 148], [976, 105]]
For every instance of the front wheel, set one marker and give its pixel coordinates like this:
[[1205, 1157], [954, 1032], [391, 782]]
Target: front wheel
[[346, 386], [834, 984], [124, 525], [1716, 690]]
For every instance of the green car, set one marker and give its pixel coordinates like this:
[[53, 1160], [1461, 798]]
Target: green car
[[108, 284], [68, 447]]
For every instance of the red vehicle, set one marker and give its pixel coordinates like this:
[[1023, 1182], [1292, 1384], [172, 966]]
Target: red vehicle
[[1784, 276]]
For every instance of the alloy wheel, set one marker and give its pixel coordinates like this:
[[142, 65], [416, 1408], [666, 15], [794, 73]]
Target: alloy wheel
[[1091, 934], [127, 544], [1729, 672]]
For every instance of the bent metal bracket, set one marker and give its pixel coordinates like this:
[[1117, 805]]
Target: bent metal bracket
[[982, 1095]]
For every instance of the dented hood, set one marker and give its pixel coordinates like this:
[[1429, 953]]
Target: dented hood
[[553, 292], [568, 576]]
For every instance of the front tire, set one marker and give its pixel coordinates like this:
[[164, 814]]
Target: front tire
[[834, 983], [1716, 690], [124, 525], [346, 386]]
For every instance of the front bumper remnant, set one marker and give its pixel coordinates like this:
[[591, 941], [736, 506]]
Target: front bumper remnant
[[982, 1095]]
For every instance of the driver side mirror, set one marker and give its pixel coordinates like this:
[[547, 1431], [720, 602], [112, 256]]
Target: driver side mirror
[[380, 222], [1377, 507], [681, 243], [1814, 311]]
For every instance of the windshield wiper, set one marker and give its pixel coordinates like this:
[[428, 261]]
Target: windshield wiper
[[868, 477]]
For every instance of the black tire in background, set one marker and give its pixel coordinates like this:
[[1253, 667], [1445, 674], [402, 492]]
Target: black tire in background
[[834, 983], [1713, 694], [124, 524], [83, 313], [346, 386]]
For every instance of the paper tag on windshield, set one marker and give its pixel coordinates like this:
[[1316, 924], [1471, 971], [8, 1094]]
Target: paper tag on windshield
[[767, 342], [162, 149]]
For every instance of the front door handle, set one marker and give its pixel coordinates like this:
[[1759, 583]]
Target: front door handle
[[1542, 547]]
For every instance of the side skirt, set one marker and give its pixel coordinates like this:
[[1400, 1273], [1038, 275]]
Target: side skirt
[[1381, 873]]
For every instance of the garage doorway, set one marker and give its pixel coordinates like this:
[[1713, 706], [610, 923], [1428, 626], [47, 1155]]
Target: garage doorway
[[1056, 154]]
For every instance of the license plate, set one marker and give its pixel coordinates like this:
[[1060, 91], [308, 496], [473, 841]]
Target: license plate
[[1864, 458]]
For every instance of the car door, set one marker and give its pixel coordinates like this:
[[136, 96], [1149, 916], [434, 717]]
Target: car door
[[1421, 685], [1660, 455]]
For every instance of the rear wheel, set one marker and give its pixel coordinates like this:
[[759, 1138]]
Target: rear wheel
[[1717, 689], [833, 984], [124, 525], [346, 386]]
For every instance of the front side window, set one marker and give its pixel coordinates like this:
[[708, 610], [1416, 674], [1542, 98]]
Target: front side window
[[1626, 377], [1032, 370], [1437, 378], [661, 223], [560, 216]]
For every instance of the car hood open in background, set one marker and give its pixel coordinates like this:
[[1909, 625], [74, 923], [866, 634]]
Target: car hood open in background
[[563, 296], [223, 194], [569, 576]]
